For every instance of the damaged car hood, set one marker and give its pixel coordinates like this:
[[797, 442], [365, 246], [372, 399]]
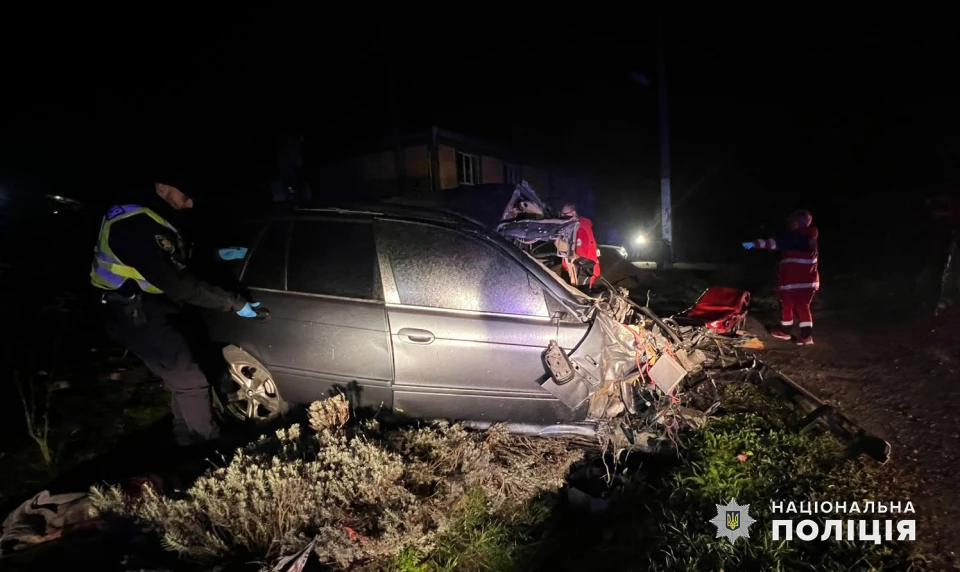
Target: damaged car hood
[[530, 231], [527, 220]]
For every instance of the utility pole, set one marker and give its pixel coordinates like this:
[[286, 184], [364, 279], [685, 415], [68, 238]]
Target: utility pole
[[666, 214]]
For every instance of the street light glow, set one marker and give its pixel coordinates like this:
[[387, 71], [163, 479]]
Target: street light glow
[[640, 240]]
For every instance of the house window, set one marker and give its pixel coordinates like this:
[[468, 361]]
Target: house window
[[511, 173], [468, 169]]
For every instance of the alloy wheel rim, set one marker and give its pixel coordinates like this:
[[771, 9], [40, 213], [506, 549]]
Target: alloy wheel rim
[[257, 398]]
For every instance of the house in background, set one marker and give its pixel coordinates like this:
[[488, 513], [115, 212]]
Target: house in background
[[436, 160]]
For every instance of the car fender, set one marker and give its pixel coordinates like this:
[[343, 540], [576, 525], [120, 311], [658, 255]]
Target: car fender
[[575, 377]]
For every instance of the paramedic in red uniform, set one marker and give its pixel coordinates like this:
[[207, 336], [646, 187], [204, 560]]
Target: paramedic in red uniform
[[797, 276], [586, 243]]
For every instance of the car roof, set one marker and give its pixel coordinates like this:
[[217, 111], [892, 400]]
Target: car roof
[[403, 211], [436, 216]]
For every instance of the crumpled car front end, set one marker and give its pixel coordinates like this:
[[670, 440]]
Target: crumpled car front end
[[641, 377]]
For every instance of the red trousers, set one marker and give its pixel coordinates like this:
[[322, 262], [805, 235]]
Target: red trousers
[[797, 303]]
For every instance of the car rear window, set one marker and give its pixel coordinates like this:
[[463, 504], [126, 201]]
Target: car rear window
[[334, 258], [441, 268]]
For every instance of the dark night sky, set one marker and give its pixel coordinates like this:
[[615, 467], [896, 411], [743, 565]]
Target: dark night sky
[[834, 112]]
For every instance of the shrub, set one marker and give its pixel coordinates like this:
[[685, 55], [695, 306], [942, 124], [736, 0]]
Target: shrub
[[451, 461], [361, 492]]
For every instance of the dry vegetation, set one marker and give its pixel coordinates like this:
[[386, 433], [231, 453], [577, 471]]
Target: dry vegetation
[[362, 492], [364, 497]]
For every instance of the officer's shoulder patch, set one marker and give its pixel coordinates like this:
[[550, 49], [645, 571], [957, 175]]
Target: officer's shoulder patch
[[165, 244], [114, 212]]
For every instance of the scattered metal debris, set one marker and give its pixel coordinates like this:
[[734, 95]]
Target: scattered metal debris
[[674, 385]]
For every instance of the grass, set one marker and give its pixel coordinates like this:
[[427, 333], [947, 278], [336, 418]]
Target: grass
[[659, 520], [482, 540]]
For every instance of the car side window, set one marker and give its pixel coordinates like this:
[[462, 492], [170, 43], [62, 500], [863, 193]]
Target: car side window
[[267, 261], [442, 268], [334, 258]]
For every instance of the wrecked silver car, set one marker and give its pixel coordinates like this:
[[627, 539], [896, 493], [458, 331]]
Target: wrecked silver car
[[424, 314]]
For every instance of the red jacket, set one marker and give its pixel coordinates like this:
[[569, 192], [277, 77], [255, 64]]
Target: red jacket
[[798, 268], [587, 246]]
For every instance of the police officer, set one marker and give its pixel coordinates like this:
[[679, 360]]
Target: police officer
[[139, 264]]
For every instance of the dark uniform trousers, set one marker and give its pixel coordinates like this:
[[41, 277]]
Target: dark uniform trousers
[[147, 326]]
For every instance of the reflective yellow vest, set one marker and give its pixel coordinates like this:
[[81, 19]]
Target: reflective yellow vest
[[108, 272]]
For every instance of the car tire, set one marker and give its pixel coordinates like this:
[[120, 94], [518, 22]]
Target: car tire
[[253, 396]]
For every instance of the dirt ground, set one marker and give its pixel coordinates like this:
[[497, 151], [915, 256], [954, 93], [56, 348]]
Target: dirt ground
[[901, 382]]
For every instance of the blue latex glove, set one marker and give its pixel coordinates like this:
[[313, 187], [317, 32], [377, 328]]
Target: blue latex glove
[[248, 310], [232, 253], [748, 245]]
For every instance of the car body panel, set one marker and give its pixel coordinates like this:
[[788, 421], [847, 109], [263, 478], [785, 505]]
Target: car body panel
[[431, 363], [472, 358], [587, 370], [303, 387], [334, 342], [612, 252], [616, 268], [456, 362], [544, 230], [437, 405]]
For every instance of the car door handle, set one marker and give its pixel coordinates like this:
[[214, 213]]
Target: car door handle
[[415, 336]]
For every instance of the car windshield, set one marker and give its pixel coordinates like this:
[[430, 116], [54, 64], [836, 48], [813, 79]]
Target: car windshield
[[577, 295]]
